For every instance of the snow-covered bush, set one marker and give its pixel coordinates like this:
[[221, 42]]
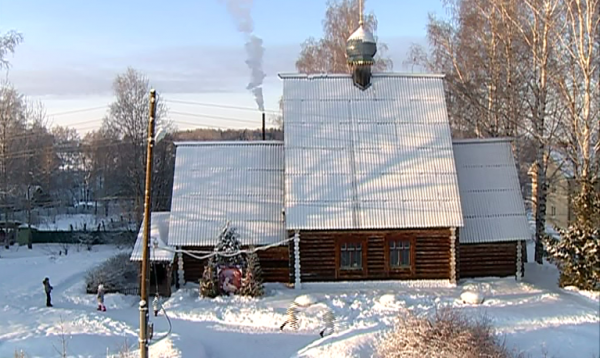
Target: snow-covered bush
[[252, 282], [577, 253], [446, 334], [117, 274], [471, 297]]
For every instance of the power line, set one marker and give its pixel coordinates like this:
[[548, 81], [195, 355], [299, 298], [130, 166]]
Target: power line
[[214, 105], [259, 119], [77, 111]]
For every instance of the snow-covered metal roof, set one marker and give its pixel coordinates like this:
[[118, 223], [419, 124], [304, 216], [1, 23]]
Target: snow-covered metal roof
[[492, 203], [159, 239], [378, 158], [216, 182]]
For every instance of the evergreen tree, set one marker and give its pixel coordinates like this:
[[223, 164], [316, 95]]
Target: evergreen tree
[[252, 282], [577, 253], [229, 244], [209, 285]]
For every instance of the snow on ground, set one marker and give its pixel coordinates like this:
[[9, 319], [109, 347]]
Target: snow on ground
[[533, 315]]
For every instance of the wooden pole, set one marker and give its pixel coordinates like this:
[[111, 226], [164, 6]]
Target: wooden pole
[[144, 281]]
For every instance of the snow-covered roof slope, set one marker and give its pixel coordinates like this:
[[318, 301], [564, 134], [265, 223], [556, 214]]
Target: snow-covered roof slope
[[159, 237], [216, 182], [491, 197], [373, 159]]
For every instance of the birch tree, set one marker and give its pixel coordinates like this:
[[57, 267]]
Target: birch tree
[[479, 53], [580, 89], [8, 43], [128, 121], [539, 26], [328, 54]]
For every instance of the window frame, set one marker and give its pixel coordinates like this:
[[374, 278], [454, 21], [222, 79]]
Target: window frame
[[346, 271], [412, 253]]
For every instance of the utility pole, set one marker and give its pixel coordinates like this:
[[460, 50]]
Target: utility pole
[[144, 282]]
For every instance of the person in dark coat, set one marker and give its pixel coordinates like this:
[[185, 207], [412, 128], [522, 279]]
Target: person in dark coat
[[48, 288]]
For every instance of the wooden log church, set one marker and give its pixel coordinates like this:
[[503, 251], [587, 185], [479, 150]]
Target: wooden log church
[[368, 184]]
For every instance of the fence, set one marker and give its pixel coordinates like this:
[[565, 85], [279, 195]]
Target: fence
[[133, 354], [74, 237]]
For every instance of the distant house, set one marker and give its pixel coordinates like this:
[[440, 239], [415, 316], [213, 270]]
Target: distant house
[[561, 190], [368, 184]]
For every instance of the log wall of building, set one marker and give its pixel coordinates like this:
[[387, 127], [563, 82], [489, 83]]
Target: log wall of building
[[274, 263], [319, 258], [498, 259]]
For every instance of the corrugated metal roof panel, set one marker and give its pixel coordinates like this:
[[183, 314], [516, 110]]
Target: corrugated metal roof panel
[[491, 197], [494, 229], [380, 158], [240, 182], [319, 214], [159, 231]]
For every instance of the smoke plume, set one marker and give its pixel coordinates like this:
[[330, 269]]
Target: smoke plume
[[240, 10]]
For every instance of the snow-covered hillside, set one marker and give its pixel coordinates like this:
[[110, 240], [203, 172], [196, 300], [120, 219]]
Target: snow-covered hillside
[[534, 315]]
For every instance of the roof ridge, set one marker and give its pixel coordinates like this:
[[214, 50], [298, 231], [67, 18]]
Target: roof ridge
[[289, 75], [220, 143], [482, 140]]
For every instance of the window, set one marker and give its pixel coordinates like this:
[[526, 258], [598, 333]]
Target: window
[[399, 253], [553, 210], [351, 255]]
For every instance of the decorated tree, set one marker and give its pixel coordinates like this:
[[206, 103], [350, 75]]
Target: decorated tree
[[577, 252], [222, 273], [209, 285], [252, 282], [228, 246]]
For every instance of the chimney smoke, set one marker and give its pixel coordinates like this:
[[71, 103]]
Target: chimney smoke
[[240, 10]]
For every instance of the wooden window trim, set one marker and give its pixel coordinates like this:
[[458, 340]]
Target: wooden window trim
[[341, 272], [388, 264]]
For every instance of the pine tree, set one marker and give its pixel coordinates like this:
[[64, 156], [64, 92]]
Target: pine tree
[[577, 253], [252, 282], [229, 244], [209, 285]]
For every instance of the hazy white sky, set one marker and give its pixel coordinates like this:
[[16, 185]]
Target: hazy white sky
[[191, 50]]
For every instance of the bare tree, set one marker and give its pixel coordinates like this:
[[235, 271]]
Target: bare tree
[[101, 163], [328, 55], [500, 57], [580, 88], [539, 26], [8, 43], [162, 180], [128, 120], [68, 150], [480, 54], [12, 132]]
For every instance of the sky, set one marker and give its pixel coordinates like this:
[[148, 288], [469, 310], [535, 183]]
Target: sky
[[191, 51]]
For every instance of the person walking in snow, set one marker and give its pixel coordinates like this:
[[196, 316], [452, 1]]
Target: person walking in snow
[[100, 297], [48, 288]]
